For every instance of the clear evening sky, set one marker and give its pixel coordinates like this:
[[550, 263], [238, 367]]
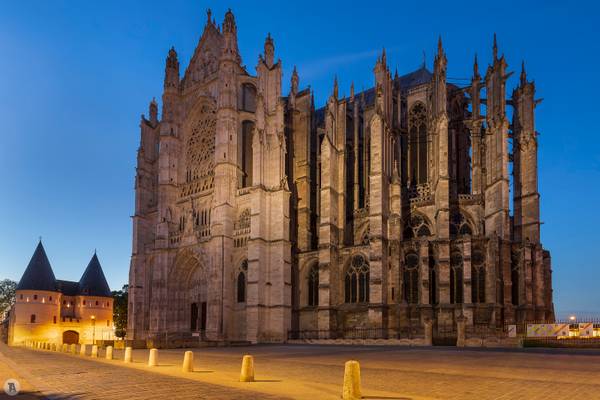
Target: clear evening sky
[[75, 76]]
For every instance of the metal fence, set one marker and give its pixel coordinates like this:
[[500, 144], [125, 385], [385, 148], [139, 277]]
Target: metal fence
[[413, 332]]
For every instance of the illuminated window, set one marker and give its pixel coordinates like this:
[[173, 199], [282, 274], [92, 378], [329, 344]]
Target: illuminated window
[[32, 318]]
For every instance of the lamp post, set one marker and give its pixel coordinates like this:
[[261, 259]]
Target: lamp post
[[94, 331]]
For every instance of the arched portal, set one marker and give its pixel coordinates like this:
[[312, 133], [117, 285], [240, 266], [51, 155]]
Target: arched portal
[[70, 337], [187, 295]]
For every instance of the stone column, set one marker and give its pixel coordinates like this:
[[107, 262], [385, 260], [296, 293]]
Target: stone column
[[428, 325], [460, 330]]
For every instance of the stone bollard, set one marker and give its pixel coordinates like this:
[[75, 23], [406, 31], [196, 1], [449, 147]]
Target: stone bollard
[[428, 324], [460, 331], [109, 353], [82, 349], [63, 348], [94, 351], [153, 358], [73, 348], [351, 390], [188, 362], [247, 373], [53, 347], [128, 357]]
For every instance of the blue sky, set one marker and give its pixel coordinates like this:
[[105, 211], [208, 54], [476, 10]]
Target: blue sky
[[76, 76]]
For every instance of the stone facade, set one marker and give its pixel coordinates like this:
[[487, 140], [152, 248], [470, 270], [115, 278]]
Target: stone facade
[[257, 213]]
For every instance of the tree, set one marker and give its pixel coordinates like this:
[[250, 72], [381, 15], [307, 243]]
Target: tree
[[120, 301], [7, 296]]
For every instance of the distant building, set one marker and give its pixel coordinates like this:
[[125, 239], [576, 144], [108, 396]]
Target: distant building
[[57, 311], [258, 213]]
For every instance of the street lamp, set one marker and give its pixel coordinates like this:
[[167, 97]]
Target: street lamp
[[572, 318], [94, 331]]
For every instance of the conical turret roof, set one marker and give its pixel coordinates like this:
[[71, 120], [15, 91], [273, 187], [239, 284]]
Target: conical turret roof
[[93, 282], [38, 275]]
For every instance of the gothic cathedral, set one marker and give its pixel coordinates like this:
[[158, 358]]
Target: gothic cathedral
[[259, 216]]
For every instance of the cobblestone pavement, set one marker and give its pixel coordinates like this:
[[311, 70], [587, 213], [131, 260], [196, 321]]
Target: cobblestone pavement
[[316, 372], [62, 376]]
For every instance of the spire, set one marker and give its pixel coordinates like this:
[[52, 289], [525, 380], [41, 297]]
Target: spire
[[424, 60], [523, 74], [295, 81], [229, 23], [153, 111], [440, 46], [383, 57], [335, 87], [208, 16], [475, 68], [93, 282], [269, 51], [495, 48], [171, 70], [38, 275], [352, 91]]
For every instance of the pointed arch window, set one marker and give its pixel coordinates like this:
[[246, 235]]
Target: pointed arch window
[[514, 277], [459, 225], [411, 278], [433, 296], [418, 138], [456, 277], [245, 153], [477, 277], [416, 226], [356, 281], [247, 100], [313, 285], [241, 282]]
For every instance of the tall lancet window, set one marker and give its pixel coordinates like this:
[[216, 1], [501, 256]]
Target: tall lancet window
[[477, 277], [313, 285], [417, 128], [241, 282], [245, 153], [356, 283], [456, 277]]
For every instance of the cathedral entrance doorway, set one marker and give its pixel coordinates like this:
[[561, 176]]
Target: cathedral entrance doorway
[[187, 296]]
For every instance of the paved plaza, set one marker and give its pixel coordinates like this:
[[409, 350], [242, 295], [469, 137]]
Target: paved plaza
[[311, 372]]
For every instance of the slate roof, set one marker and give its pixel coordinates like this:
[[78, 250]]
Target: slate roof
[[93, 282], [68, 288], [38, 275]]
